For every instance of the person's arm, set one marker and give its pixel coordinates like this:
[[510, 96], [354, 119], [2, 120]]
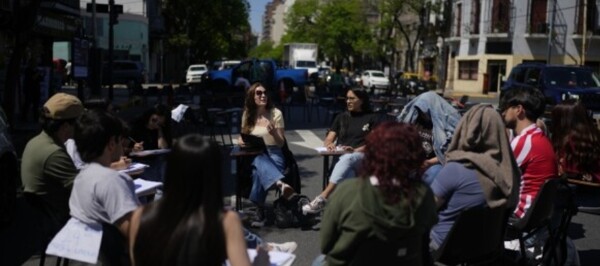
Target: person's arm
[[234, 238], [329, 142], [276, 128], [162, 141], [134, 225]]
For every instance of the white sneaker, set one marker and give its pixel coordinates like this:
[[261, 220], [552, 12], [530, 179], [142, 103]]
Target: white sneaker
[[287, 247], [512, 245], [314, 206]]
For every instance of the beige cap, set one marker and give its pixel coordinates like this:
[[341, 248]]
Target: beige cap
[[62, 106]]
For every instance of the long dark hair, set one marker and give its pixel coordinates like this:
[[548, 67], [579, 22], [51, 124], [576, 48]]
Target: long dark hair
[[185, 226], [393, 153], [363, 95], [575, 137], [160, 110], [250, 107]]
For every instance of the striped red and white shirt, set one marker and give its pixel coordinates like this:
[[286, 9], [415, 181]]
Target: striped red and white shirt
[[535, 157]]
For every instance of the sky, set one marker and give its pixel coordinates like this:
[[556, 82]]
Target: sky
[[257, 9]]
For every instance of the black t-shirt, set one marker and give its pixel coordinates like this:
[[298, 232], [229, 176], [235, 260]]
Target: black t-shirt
[[352, 128]]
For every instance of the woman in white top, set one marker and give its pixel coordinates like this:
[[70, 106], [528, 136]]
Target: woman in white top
[[261, 119]]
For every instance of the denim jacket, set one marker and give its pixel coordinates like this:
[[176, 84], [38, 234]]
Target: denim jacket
[[444, 118]]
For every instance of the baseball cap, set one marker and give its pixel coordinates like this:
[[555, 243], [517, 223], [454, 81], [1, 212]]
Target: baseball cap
[[63, 106]]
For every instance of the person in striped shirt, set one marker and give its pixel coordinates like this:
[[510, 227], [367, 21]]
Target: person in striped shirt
[[531, 147]]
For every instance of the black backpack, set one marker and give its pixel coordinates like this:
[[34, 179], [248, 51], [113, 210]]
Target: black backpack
[[288, 213]]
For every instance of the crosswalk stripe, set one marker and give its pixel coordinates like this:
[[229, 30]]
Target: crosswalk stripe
[[310, 140]]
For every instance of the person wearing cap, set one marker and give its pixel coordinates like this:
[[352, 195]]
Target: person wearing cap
[[47, 171]]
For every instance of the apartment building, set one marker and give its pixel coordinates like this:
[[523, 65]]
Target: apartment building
[[488, 38]]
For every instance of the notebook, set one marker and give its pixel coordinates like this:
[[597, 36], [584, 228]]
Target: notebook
[[253, 142]]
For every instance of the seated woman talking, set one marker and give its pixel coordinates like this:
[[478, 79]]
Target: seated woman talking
[[189, 224], [347, 132], [261, 119], [576, 141]]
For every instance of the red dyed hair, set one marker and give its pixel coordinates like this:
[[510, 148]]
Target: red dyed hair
[[394, 154]]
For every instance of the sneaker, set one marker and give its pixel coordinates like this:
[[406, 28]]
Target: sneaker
[[287, 247], [259, 219], [314, 206]]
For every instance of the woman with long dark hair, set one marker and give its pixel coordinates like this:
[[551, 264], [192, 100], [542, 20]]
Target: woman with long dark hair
[[189, 225], [386, 205], [262, 119], [348, 133], [576, 141], [152, 130]]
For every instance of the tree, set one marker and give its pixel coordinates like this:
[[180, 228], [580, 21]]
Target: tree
[[267, 49], [207, 30]]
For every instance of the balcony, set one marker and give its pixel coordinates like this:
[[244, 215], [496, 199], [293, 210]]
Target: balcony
[[537, 31]]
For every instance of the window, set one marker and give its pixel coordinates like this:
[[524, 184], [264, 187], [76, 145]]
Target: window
[[592, 17], [475, 14], [537, 18], [468, 69], [458, 19], [500, 15]]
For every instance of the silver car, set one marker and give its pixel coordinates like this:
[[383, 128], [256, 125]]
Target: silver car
[[9, 173]]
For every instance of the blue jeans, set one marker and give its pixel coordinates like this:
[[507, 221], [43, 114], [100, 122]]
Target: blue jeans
[[346, 167], [319, 260], [267, 169]]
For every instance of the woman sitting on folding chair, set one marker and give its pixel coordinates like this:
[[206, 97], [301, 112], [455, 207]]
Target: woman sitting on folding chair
[[348, 132], [261, 119]]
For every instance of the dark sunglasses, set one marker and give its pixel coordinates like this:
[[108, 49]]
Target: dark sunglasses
[[260, 93]]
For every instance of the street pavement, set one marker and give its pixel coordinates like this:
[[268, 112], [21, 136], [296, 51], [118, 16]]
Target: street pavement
[[18, 244]]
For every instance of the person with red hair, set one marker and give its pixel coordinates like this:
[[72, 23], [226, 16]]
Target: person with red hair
[[386, 205]]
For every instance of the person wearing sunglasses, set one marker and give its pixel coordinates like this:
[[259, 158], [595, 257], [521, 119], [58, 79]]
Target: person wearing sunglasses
[[262, 119]]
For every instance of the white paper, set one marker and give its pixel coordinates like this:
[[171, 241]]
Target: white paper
[[77, 241], [150, 152], [142, 187], [134, 167], [324, 149], [275, 257], [178, 112]]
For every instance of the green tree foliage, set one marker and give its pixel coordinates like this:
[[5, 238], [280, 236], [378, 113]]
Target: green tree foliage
[[267, 49], [209, 29]]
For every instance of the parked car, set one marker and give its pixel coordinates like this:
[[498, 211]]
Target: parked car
[[257, 70], [227, 64], [131, 73], [557, 82], [375, 79], [194, 73], [10, 174]]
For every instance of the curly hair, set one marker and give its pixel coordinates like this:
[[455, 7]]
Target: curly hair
[[250, 107], [393, 154], [575, 137]]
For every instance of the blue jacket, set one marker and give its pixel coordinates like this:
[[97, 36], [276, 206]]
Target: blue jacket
[[444, 118]]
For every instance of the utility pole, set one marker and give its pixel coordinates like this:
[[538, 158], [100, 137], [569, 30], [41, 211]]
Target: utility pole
[[112, 15], [551, 33], [584, 33]]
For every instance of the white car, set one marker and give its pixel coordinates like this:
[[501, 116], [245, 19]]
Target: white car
[[194, 73], [374, 79]]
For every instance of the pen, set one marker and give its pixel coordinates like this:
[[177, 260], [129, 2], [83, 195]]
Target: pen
[[130, 138]]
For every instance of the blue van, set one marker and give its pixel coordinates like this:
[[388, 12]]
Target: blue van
[[557, 82]]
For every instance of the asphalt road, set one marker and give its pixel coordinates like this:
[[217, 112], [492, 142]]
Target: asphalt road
[[18, 243]]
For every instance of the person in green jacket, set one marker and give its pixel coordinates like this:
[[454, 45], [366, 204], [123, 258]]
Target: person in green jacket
[[383, 217]]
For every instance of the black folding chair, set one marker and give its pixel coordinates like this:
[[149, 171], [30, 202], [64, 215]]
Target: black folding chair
[[538, 217], [475, 238]]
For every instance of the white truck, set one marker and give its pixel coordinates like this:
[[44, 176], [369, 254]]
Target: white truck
[[301, 56]]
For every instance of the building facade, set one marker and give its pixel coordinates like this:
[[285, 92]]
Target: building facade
[[488, 38]]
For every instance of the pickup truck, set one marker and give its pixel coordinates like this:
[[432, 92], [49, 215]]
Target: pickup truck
[[257, 70]]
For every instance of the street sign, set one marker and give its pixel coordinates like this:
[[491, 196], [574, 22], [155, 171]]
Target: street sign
[[103, 8]]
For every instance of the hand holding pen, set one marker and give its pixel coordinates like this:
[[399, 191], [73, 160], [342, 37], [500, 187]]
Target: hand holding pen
[[137, 146]]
